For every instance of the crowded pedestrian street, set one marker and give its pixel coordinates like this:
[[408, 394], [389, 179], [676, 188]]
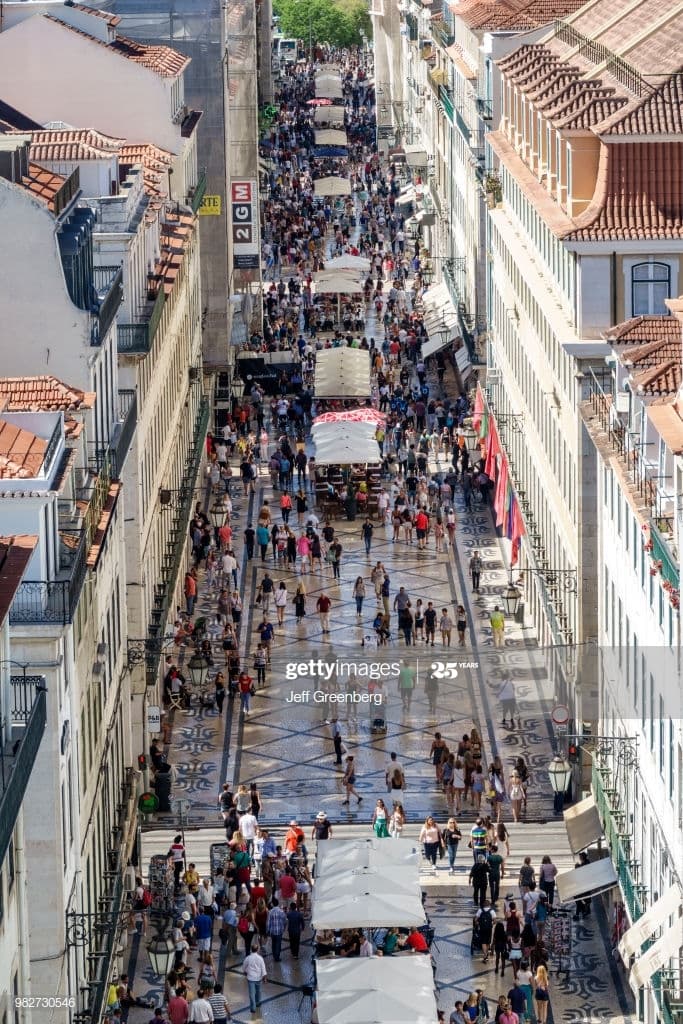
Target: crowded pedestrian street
[[344, 667]]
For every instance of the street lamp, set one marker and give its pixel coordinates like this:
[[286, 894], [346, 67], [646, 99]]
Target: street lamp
[[199, 667], [161, 951], [560, 773], [511, 599], [218, 514]]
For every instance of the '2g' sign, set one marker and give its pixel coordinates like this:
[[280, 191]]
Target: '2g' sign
[[444, 669]]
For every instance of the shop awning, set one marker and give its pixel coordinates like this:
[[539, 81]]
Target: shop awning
[[332, 186], [408, 195], [588, 880], [583, 825], [364, 990], [333, 114], [659, 955], [416, 156], [647, 925], [330, 137], [343, 444], [342, 373], [397, 155]]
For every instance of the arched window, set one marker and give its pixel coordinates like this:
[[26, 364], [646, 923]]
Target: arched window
[[650, 286]]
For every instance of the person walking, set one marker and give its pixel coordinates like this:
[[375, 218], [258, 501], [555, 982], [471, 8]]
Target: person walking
[[475, 567], [366, 533], [281, 599], [479, 880], [397, 820], [430, 623], [262, 539], [245, 685], [485, 917], [219, 1005], [337, 742], [546, 878], [445, 627], [432, 842], [541, 994], [451, 837], [461, 624], [349, 780], [323, 605], [276, 923], [219, 691], [254, 968], [380, 821], [495, 862], [385, 591], [508, 701], [359, 594], [516, 794], [497, 622], [295, 927]]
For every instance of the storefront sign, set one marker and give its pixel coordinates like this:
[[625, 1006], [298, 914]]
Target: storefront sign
[[211, 206], [243, 219], [153, 719]]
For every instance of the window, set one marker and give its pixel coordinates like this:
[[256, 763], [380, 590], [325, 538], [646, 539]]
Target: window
[[650, 286]]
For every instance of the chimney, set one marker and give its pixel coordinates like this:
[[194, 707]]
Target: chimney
[[14, 152]]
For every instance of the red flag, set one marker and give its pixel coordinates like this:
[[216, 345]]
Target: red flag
[[492, 450], [500, 499], [478, 410], [509, 513], [518, 531]]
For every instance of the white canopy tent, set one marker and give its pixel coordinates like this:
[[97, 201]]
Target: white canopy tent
[[416, 156], [344, 443], [332, 186], [330, 88], [369, 990], [326, 282], [332, 115], [347, 261], [345, 854], [342, 373], [331, 137], [367, 909], [397, 881]]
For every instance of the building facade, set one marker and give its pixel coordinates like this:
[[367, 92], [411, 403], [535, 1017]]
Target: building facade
[[633, 415]]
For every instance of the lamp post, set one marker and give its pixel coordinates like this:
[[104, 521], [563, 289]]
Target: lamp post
[[198, 667], [161, 951], [218, 514], [560, 773], [511, 600]]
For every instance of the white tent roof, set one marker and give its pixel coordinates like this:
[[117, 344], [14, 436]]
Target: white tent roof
[[342, 373], [645, 926], [588, 880], [345, 854], [347, 261], [340, 283], [331, 137], [367, 910], [329, 88], [368, 990], [344, 443], [333, 114], [332, 186], [416, 156], [397, 881]]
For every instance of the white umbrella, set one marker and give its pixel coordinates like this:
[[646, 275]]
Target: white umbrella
[[332, 186], [367, 909], [347, 261], [331, 137], [366, 990], [343, 854], [396, 880], [333, 115]]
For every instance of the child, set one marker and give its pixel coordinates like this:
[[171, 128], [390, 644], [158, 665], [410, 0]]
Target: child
[[477, 785]]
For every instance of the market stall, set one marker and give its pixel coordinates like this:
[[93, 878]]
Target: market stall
[[342, 373], [332, 185], [365, 990], [345, 854]]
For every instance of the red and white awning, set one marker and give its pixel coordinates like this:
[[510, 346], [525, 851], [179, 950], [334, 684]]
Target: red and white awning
[[363, 414]]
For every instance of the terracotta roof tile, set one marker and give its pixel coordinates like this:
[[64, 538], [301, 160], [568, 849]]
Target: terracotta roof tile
[[639, 194], [163, 60], [645, 331], [15, 554], [667, 419], [661, 381], [155, 163], [43, 183], [42, 393], [511, 15], [111, 19], [661, 112], [73, 144], [21, 452]]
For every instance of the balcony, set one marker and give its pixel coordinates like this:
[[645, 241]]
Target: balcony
[[67, 192], [198, 191], [137, 339], [437, 79], [108, 286], [442, 34], [618, 843], [21, 731], [446, 100], [54, 602]]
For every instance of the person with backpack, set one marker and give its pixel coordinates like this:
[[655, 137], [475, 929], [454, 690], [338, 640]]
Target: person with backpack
[[479, 878], [484, 918]]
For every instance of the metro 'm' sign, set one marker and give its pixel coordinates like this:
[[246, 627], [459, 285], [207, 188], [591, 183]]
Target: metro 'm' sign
[[244, 225]]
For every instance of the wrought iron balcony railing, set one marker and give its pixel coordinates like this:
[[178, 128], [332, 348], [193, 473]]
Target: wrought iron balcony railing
[[137, 339], [21, 731]]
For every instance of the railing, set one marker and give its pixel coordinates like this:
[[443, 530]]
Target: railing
[[122, 442], [442, 33], [661, 552], [176, 545], [446, 97], [52, 446], [485, 108], [197, 191], [20, 739], [108, 283], [623, 864], [45, 602], [67, 192], [98, 498], [137, 339]]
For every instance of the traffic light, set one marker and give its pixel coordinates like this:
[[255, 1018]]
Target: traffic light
[[142, 762], [573, 753]]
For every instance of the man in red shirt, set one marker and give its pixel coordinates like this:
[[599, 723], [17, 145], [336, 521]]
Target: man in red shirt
[[244, 685], [178, 1009], [323, 608], [416, 941], [421, 527], [292, 837]]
